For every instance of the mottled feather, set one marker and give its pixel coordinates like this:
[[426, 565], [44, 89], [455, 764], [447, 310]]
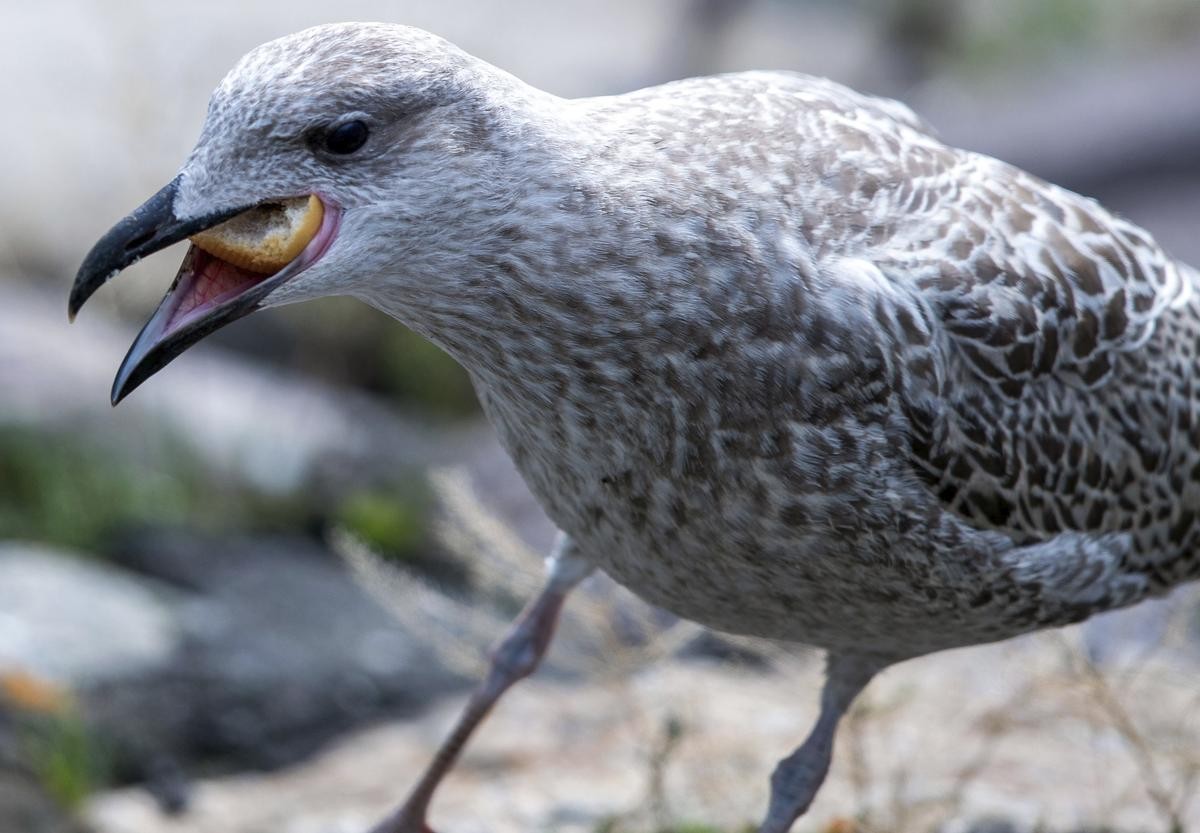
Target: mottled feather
[[769, 352]]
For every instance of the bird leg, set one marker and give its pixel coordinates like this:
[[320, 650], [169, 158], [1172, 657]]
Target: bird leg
[[514, 657], [797, 778]]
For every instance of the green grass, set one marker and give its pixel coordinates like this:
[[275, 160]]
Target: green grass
[[1031, 32], [67, 492], [65, 758], [62, 492], [349, 344], [395, 523], [392, 523], [414, 370]]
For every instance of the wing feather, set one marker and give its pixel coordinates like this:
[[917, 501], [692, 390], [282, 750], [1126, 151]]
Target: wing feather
[[1057, 391]]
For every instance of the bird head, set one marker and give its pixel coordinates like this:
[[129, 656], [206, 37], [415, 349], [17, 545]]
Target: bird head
[[327, 158]]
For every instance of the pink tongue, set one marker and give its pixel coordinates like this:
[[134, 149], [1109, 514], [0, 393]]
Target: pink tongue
[[216, 281]]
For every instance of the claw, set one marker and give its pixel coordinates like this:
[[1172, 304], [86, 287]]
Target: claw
[[407, 819]]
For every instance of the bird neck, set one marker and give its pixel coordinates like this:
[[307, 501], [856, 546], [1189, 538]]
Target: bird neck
[[547, 258], [581, 248]]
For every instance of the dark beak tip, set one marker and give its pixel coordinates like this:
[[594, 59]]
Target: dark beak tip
[[150, 227], [120, 389], [78, 297], [74, 305]]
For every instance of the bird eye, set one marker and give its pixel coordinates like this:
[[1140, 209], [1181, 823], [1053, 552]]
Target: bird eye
[[347, 137]]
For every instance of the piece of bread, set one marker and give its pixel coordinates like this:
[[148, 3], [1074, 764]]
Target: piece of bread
[[267, 237]]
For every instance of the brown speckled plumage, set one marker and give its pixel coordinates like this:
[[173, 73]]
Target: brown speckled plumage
[[792, 367], [768, 352]]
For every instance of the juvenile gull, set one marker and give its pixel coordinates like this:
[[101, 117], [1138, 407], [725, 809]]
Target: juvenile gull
[[766, 351]]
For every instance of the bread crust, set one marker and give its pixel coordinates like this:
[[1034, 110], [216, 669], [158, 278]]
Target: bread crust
[[267, 237]]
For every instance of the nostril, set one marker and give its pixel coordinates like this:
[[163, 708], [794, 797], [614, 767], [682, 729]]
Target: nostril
[[141, 239]]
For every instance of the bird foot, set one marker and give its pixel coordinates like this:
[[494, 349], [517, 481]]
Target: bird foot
[[404, 820]]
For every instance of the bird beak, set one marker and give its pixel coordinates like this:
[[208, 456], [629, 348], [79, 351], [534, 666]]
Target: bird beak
[[186, 313]]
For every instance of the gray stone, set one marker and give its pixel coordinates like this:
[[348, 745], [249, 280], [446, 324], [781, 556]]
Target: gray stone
[[25, 807], [242, 652], [280, 651], [77, 622]]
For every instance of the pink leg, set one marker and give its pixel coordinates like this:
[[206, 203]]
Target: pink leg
[[514, 658], [797, 778]]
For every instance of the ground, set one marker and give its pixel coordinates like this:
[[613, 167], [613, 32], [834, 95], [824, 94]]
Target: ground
[[1028, 732]]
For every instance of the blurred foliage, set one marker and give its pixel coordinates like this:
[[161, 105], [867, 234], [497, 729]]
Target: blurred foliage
[[700, 827], [395, 523], [56, 489], [987, 38], [994, 38], [52, 489], [65, 757], [415, 370], [392, 524], [1029, 31], [65, 492], [348, 343]]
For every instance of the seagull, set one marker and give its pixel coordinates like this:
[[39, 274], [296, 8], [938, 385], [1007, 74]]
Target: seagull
[[766, 351]]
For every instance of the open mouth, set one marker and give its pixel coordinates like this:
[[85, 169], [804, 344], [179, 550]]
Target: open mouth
[[237, 257], [221, 268]]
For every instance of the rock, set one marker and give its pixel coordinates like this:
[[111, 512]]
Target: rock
[[244, 652], [25, 807], [280, 651], [712, 646], [79, 622]]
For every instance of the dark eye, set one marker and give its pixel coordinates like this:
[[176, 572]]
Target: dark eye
[[347, 137]]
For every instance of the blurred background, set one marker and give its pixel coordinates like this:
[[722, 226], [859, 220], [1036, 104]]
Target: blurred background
[[252, 597]]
